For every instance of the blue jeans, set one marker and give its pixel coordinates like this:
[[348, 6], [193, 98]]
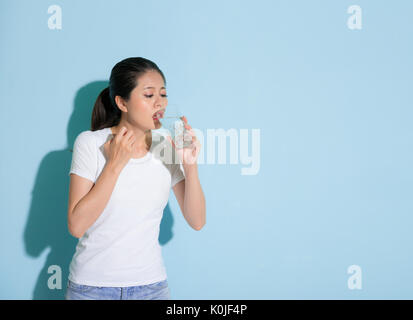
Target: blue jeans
[[154, 291]]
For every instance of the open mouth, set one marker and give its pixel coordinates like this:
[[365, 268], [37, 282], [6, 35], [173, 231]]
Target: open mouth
[[158, 115]]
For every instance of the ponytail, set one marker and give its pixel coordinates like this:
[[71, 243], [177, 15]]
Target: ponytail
[[104, 113]]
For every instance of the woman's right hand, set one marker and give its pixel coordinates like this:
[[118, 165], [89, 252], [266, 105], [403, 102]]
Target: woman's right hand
[[119, 149]]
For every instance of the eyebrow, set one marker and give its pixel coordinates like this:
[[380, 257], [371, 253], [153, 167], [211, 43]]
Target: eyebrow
[[153, 87]]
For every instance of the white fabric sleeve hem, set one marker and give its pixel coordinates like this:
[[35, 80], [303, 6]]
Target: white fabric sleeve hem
[[177, 174], [83, 175], [176, 181]]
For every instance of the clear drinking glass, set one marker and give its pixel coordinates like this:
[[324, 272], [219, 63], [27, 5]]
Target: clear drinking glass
[[175, 127]]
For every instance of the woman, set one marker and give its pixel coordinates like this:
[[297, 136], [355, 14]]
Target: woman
[[119, 187]]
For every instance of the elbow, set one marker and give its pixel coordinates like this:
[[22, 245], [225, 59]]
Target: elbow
[[199, 227], [75, 232], [73, 227]]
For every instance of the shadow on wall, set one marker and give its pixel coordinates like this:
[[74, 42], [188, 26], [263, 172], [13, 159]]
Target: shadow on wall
[[46, 226]]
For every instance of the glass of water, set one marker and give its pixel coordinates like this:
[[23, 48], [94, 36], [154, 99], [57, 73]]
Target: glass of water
[[174, 126]]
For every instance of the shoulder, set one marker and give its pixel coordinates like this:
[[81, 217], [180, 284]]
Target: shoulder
[[87, 138]]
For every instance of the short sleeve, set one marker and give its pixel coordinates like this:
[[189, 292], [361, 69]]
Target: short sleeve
[[176, 174], [84, 158]]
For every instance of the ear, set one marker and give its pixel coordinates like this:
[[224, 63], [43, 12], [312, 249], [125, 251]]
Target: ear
[[121, 103]]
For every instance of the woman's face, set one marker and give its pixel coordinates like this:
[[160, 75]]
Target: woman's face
[[148, 97]]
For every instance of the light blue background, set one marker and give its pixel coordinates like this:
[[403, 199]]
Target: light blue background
[[334, 107]]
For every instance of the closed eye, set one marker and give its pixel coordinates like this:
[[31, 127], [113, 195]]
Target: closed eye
[[151, 95]]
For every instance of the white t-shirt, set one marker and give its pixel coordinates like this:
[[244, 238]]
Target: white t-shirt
[[121, 248]]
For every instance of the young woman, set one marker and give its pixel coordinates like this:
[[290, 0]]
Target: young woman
[[119, 187]]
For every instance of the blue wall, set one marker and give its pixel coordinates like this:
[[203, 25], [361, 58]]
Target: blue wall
[[334, 109]]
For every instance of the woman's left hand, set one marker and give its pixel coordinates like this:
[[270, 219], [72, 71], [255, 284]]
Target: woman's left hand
[[188, 155]]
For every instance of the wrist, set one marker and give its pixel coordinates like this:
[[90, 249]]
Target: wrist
[[113, 168], [190, 168]]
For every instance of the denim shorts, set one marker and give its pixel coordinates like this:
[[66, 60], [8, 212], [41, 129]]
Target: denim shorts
[[154, 291]]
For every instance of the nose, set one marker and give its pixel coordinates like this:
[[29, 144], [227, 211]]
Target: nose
[[159, 106], [158, 103]]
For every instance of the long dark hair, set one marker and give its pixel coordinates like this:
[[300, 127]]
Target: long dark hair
[[123, 79]]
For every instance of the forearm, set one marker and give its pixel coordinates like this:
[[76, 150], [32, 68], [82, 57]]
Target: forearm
[[194, 200], [91, 206]]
